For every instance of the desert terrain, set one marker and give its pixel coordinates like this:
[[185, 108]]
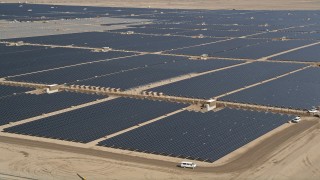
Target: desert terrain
[[190, 4]]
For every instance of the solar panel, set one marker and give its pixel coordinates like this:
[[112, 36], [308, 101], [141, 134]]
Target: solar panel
[[96, 121], [218, 83], [309, 54], [144, 43], [263, 49], [23, 106], [299, 90], [143, 76], [214, 48], [25, 60], [74, 73], [9, 90], [206, 136]]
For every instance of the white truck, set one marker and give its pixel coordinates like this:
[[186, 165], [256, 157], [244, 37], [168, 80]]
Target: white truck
[[185, 164]]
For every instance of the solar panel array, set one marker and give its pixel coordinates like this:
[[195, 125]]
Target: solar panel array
[[96, 121], [163, 44], [217, 46], [27, 59], [298, 90], [9, 91], [85, 71], [218, 83], [269, 48], [144, 43], [151, 74], [23, 106], [202, 136], [308, 54]]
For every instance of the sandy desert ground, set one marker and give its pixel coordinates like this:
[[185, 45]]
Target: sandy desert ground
[[191, 4]]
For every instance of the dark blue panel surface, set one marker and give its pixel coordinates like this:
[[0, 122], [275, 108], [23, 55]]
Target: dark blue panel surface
[[221, 82], [9, 90], [19, 107], [300, 90], [18, 49], [72, 74], [19, 60], [213, 48], [150, 31], [215, 33], [263, 49], [204, 136], [142, 76], [290, 35], [135, 42], [96, 121], [309, 54]]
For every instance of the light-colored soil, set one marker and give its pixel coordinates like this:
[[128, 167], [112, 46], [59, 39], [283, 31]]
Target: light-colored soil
[[191, 4]]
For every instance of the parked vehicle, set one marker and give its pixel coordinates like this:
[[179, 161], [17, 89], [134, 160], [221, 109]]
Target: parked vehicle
[[296, 119], [185, 164], [313, 111]]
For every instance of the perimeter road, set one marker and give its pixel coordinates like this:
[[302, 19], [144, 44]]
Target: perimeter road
[[251, 158]]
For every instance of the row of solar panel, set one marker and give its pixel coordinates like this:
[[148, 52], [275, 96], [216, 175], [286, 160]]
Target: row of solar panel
[[108, 66], [125, 72], [96, 121], [299, 90], [232, 48], [23, 106], [221, 82], [202, 136], [143, 43], [244, 48], [26, 59], [9, 90], [213, 33]]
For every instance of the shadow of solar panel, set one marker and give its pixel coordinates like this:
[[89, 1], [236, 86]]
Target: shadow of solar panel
[[202, 136], [220, 82], [96, 121], [299, 91], [23, 106]]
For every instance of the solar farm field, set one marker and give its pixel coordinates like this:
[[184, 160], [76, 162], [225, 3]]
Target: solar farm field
[[164, 83]]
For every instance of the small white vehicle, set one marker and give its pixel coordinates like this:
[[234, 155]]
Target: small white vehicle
[[313, 110], [185, 164], [296, 119]]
